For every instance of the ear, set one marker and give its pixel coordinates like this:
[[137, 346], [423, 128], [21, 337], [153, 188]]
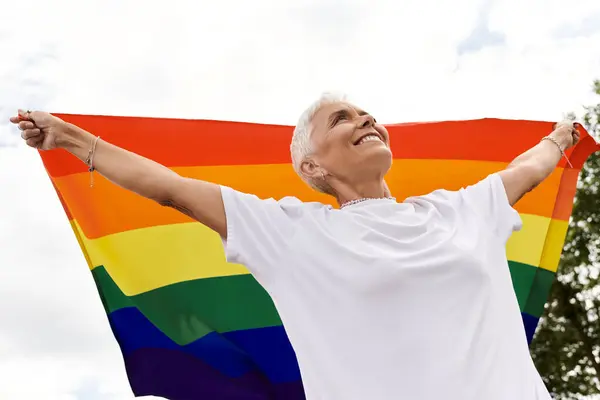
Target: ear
[[310, 169]]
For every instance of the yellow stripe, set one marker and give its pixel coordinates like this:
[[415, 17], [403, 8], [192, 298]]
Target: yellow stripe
[[553, 247], [527, 245], [144, 259]]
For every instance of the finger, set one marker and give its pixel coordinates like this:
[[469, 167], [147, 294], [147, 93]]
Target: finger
[[35, 142], [31, 133], [26, 125], [562, 125], [24, 115]]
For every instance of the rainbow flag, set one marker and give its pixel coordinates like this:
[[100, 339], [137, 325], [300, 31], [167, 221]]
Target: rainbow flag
[[190, 325]]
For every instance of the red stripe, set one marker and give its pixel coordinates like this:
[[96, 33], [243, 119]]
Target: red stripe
[[568, 184], [180, 143]]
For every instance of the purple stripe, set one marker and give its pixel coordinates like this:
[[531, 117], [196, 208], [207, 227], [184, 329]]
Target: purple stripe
[[179, 376], [234, 354]]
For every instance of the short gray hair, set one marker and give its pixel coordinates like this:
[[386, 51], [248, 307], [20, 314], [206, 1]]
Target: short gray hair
[[301, 146]]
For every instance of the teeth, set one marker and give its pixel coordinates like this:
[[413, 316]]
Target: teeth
[[369, 138]]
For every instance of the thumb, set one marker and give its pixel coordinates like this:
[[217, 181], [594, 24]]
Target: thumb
[[24, 115], [37, 117]]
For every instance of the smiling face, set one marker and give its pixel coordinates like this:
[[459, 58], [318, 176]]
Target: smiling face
[[348, 145]]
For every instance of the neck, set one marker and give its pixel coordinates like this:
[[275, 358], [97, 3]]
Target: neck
[[374, 189]]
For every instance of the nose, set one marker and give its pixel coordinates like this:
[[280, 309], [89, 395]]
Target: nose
[[366, 121]]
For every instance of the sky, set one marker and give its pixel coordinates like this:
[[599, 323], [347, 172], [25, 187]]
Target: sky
[[258, 61]]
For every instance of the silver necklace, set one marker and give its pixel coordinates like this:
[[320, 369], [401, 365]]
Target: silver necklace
[[351, 202]]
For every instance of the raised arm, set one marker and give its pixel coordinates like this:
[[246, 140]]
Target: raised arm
[[197, 199], [529, 169]]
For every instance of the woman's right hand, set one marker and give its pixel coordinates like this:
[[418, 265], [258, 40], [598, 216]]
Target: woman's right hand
[[40, 130]]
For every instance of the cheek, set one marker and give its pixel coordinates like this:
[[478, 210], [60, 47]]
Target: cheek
[[343, 131], [381, 129], [339, 138], [336, 151]]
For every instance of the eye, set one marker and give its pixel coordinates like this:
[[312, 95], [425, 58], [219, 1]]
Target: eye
[[339, 118]]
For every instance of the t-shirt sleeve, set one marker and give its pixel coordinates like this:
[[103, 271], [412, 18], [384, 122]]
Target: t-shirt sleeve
[[257, 231], [489, 200]]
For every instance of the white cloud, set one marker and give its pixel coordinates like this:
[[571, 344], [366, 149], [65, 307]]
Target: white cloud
[[54, 337], [264, 61]]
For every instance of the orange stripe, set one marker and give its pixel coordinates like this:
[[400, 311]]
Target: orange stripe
[[62, 201], [566, 194], [107, 208], [181, 143]]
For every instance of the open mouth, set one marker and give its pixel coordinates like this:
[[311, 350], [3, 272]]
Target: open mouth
[[371, 137]]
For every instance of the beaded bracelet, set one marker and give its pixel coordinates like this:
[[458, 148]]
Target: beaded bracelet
[[90, 161], [562, 152]]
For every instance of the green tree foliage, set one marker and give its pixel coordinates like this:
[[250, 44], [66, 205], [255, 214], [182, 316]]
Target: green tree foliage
[[566, 347]]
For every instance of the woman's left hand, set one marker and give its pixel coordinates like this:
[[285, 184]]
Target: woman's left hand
[[566, 134]]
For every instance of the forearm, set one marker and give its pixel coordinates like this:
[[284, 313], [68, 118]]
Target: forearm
[[538, 162], [124, 168], [197, 199], [531, 168]]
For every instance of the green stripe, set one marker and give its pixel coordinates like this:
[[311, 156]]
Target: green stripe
[[522, 277], [238, 302], [112, 296], [224, 304], [540, 290]]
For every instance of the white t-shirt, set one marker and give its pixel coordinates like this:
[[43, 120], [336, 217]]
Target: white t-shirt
[[384, 300]]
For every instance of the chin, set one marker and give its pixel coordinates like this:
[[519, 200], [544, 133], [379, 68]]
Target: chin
[[379, 157], [383, 152]]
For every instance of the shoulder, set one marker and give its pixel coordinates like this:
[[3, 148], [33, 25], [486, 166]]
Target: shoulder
[[287, 206], [436, 197], [295, 203], [462, 200], [489, 185], [486, 200]]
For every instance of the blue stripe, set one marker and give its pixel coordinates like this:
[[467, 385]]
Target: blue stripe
[[271, 351], [266, 350], [530, 323]]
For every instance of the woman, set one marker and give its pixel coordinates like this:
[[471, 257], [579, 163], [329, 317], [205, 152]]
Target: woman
[[380, 299]]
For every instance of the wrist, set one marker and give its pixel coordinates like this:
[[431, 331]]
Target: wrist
[[559, 146], [561, 140], [73, 138]]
